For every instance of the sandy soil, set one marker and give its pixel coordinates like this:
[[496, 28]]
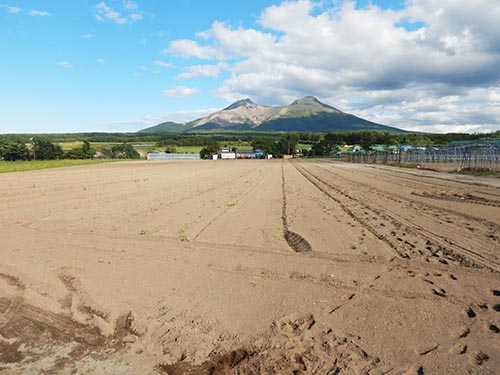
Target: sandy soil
[[248, 267]]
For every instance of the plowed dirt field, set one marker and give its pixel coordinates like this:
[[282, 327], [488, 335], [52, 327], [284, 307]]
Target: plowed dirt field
[[248, 267]]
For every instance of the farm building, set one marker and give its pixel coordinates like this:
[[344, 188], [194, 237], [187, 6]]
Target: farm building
[[246, 154], [165, 156], [226, 153]]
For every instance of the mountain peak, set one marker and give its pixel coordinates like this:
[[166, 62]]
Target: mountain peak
[[313, 101], [240, 103]]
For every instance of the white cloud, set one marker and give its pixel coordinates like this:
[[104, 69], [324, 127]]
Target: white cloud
[[10, 8], [195, 71], [142, 68], [88, 36], [128, 13], [39, 13], [229, 44], [416, 67], [65, 64], [163, 64], [130, 5], [189, 48], [180, 92], [100, 60]]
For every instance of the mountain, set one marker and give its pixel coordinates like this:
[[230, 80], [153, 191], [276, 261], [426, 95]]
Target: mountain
[[167, 127], [303, 115]]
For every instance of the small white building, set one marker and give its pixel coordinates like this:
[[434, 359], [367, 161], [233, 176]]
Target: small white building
[[227, 155]]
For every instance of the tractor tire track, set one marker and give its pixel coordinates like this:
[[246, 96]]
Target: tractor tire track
[[296, 242]]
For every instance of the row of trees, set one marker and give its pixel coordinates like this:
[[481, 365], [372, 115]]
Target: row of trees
[[284, 145], [43, 149], [197, 139]]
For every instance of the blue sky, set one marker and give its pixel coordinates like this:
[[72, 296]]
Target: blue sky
[[115, 65]]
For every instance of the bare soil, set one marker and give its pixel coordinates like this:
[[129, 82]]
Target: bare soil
[[248, 267]]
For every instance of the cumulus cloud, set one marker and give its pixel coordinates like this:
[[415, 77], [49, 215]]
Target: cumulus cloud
[[65, 64], [39, 13], [180, 92], [208, 70], [417, 67], [229, 43], [10, 8], [127, 13], [88, 36], [189, 48]]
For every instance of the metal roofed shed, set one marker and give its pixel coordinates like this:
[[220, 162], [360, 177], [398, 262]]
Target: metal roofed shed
[[165, 156]]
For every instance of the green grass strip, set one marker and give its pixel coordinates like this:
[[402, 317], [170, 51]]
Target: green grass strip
[[29, 165]]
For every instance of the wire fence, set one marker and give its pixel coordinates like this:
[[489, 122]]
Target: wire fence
[[452, 158]]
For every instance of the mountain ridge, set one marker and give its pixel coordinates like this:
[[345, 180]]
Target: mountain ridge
[[306, 114]]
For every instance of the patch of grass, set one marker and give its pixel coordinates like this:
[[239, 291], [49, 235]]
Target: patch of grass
[[70, 145], [486, 172], [183, 236], [29, 165], [188, 149], [302, 146]]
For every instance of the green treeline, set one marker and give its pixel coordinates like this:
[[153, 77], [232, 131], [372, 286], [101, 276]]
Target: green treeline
[[46, 147], [182, 139]]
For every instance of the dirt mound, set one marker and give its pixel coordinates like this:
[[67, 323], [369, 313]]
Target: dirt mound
[[296, 344]]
